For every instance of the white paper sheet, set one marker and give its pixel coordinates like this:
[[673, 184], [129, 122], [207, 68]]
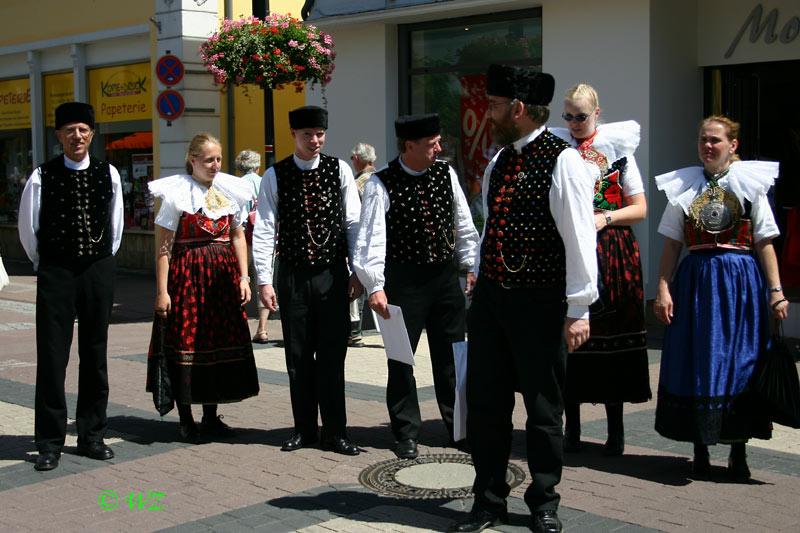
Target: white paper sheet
[[460, 407], [395, 336]]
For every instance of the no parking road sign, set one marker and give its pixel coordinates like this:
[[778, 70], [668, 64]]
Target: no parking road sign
[[170, 104], [169, 70]]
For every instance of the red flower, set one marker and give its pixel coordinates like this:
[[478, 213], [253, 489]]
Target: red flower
[[257, 57], [273, 29], [277, 51]]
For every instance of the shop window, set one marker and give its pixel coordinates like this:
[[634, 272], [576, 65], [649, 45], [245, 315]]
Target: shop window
[[442, 70], [15, 167]]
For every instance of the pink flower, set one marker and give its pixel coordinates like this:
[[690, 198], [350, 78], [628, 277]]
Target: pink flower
[[293, 43]]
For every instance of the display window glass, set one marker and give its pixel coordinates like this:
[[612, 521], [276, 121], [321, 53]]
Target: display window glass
[[442, 70]]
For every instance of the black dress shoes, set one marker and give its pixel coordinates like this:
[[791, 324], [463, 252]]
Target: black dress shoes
[[296, 442], [341, 445], [546, 522], [96, 450], [46, 461], [215, 427], [478, 520], [406, 449]]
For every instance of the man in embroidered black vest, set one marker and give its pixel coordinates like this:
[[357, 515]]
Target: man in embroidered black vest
[[70, 224], [311, 199], [537, 278], [416, 229]]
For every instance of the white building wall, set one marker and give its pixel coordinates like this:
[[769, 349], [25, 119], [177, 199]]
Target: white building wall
[[362, 98], [604, 44]]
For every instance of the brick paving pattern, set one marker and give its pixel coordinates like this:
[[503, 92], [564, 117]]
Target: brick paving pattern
[[247, 484]]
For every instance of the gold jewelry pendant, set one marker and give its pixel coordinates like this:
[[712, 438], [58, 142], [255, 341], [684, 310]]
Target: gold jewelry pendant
[[715, 210]]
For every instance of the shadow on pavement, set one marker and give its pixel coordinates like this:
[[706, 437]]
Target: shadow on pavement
[[664, 469], [345, 503]]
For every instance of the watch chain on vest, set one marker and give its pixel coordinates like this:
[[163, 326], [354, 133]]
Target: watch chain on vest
[[75, 219], [310, 212], [522, 246], [419, 222]]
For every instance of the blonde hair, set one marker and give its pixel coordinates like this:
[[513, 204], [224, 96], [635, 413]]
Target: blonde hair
[[196, 146], [731, 129], [585, 91]]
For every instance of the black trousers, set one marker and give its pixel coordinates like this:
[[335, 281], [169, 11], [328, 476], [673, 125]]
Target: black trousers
[[62, 294], [431, 298], [315, 318], [516, 340]]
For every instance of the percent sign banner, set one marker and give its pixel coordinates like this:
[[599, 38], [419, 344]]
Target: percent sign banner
[[476, 138]]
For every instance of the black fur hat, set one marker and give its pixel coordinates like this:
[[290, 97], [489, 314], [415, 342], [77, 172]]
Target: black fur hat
[[309, 116], [412, 127], [69, 112], [524, 84]]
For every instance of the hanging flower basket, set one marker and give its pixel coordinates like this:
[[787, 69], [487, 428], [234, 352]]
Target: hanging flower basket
[[274, 52]]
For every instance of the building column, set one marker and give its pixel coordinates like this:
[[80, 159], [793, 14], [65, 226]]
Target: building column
[[78, 54], [181, 27], [37, 109]]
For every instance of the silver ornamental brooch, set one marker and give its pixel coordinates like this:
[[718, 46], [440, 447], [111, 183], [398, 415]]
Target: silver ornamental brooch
[[715, 211]]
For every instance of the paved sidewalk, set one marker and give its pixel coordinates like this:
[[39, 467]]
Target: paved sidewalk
[[247, 483]]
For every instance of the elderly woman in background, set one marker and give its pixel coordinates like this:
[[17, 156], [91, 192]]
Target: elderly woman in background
[[202, 284], [717, 305], [247, 164], [362, 157], [612, 366]]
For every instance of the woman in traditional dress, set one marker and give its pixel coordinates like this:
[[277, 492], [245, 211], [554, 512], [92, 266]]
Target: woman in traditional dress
[[612, 366], [202, 286], [717, 305]]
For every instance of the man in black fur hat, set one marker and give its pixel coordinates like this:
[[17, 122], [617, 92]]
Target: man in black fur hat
[[537, 278], [311, 199], [70, 224], [416, 233]]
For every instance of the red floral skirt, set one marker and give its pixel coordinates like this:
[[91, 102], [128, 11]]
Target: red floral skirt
[[206, 336], [612, 366]]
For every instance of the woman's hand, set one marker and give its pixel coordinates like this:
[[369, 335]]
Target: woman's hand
[[663, 306], [244, 290], [779, 305], [163, 304], [600, 221]]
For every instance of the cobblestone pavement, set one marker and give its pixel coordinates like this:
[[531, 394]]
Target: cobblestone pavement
[[246, 483]]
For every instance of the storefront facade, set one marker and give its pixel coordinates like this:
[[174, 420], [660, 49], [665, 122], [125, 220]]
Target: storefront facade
[[108, 59], [664, 64]]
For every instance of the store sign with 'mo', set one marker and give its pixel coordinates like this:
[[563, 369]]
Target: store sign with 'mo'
[[121, 93]]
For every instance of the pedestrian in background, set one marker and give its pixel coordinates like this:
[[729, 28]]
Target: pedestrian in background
[[202, 286], [70, 225], [310, 198], [612, 366], [362, 157], [248, 163], [416, 234]]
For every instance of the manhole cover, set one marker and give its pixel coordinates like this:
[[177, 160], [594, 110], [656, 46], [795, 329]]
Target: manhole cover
[[431, 476]]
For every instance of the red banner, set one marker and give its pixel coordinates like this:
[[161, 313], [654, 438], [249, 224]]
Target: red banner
[[476, 138]]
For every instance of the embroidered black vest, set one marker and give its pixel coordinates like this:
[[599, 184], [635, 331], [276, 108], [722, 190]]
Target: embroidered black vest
[[310, 213], [521, 245], [75, 214], [419, 222]]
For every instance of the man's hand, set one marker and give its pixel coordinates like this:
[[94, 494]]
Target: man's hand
[[354, 287], [470, 283], [576, 331], [268, 298], [378, 303]]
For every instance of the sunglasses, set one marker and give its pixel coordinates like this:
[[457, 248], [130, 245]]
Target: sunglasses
[[580, 117]]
